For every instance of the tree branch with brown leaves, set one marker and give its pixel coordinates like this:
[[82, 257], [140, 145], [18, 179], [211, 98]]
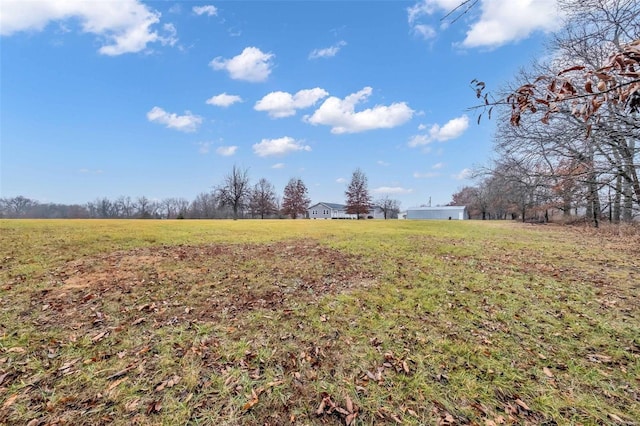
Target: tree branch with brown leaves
[[581, 89]]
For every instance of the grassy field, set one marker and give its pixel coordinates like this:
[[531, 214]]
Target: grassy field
[[317, 322]]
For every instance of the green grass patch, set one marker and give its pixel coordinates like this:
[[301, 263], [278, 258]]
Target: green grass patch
[[317, 322]]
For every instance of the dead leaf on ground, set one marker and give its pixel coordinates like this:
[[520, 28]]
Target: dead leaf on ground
[[99, 336], [169, 383], [116, 383], [132, 405], [10, 401], [349, 404], [249, 404], [154, 407], [605, 359], [619, 419], [522, 404], [396, 418], [321, 407], [350, 419], [121, 372]]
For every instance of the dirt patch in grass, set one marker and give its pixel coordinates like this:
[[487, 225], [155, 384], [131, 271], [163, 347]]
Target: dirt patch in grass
[[205, 282], [126, 334]]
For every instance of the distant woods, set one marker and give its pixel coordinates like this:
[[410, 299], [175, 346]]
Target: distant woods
[[235, 197]]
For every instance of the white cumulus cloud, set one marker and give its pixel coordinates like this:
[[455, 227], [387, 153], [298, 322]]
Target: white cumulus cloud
[[452, 129], [392, 190], [223, 100], [426, 8], [251, 65], [226, 151], [424, 31], [340, 114], [492, 23], [418, 140], [504, 21], [464, 174], [124, 26], [280, 146], [184, 123], [208, 10], [327, 52], [341, 180], [278, 166], [283, 104]]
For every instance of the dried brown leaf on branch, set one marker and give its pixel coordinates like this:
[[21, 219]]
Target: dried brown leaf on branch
[[617, 83]]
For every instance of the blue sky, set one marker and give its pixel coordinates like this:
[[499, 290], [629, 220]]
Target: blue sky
[[162, 98]]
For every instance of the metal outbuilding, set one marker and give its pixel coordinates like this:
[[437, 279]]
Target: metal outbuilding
[[439, 213]]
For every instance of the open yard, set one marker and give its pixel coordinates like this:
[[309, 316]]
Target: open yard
[[317, 323]]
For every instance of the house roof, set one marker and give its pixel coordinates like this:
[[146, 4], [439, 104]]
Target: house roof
[[337, 206], [330, 205]]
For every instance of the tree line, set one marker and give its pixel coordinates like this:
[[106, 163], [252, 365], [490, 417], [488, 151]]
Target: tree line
[[234, 198], [568, 128]]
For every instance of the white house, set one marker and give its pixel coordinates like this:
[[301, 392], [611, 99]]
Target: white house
[[339, 211], [438, 213]]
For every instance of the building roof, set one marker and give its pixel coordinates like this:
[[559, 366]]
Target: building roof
[[331, 205], [453, 208]]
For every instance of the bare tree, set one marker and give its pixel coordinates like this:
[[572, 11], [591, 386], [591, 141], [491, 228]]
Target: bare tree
[[587, 100], [169, 207], [469, 196], [235, 190], [263, 198], [182, 207], [17, 206], [144, 207], [295, 201], [358, 198], [390, 207], [204, 206], [126, 206]]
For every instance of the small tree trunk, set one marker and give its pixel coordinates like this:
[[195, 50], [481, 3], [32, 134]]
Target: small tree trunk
[[627, 210], [617, 198], [566, 206]]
